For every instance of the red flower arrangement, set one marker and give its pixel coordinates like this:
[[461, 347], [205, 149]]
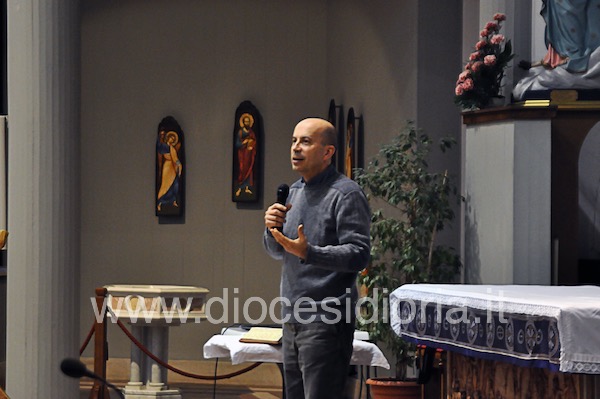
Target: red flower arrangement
[[481, 79]]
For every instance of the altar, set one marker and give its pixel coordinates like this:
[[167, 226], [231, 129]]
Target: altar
[[507, 338]]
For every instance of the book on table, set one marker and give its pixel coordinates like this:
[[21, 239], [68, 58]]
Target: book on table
[[263, 335]]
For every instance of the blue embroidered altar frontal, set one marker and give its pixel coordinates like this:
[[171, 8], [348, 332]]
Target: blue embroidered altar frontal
[[516, 338]]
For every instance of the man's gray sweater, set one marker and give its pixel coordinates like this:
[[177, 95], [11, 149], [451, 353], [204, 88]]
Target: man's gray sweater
[[336, 218]]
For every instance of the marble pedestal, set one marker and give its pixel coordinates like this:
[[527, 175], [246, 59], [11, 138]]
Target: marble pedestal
[[151, 310], [507, 191]]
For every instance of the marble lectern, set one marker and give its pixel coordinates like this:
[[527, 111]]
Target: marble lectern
[[151, 310]]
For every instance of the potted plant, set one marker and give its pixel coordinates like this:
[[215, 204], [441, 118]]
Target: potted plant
[[410, 205]]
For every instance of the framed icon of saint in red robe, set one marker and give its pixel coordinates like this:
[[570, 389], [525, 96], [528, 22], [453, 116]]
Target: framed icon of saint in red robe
[[247, 132]]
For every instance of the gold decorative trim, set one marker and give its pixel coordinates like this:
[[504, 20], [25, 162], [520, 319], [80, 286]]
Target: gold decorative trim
[[560, 104], [535, 103]]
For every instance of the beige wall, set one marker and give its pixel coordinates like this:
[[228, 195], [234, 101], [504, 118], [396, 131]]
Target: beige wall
[[197, 60], [371, 61]]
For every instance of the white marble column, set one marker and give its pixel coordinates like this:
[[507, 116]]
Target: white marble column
[[158, 343], [137, 359], [43, 197]]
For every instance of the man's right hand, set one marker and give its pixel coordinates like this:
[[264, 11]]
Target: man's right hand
[[275, 215]]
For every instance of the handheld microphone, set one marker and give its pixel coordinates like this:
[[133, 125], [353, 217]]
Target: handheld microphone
[[282, 193], [76, 369]]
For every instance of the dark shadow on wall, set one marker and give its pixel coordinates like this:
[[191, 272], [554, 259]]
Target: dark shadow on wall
[[472, 261]]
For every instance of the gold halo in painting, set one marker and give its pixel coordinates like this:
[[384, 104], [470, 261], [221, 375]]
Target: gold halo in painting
[[244, 116], [174, 135]]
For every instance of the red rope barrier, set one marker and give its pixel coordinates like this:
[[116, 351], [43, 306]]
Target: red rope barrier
[[162, 363], [178, 371], [87, 340]]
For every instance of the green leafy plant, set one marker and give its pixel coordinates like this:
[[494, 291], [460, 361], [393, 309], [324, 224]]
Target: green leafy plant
[[415, 205], [481, 80]]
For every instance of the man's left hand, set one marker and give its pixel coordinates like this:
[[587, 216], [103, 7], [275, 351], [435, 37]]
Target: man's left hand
[[298, 247]]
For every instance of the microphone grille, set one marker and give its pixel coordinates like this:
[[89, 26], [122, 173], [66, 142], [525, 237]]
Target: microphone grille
[[73, 368], [283, 188], [282, 193]]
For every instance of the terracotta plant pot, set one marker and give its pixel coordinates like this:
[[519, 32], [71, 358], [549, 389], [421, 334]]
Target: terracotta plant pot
[[390, 388]]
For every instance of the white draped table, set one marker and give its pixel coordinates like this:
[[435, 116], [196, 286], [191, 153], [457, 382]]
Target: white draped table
[[229, 346], [555, 327]]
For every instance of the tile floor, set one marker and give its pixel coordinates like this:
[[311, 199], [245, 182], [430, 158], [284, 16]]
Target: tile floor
[[205, 391], [224, 391]]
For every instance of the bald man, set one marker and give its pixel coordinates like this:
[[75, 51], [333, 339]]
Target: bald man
[[322, 236]]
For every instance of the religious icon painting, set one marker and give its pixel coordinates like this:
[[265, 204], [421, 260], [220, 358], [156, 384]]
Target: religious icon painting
[[332, 114], [247, 133], [170, 168], [349, 143], [335, 116], [359, 148]]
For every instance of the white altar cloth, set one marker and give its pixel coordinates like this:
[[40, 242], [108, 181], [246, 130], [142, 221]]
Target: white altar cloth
[[563, 319], [229, 346]]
